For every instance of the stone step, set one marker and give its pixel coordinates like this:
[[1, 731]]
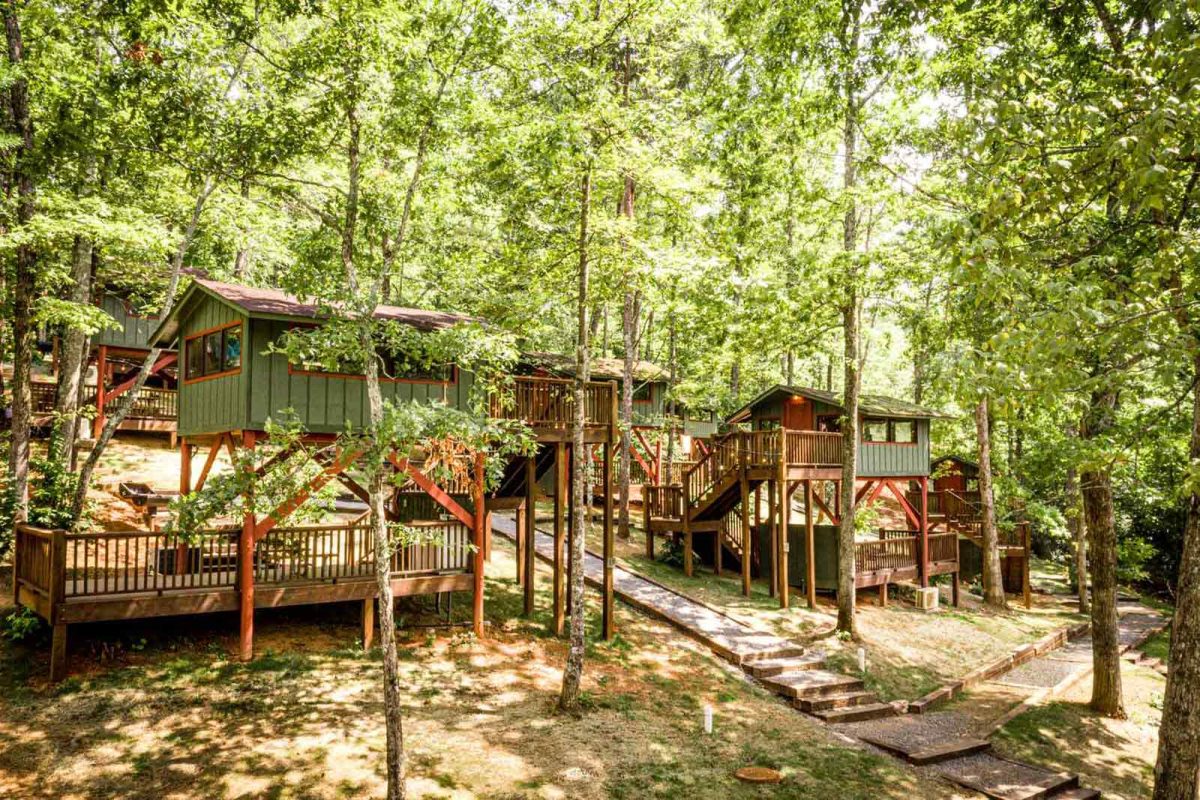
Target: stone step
[[812, 683], [769, 668], [1077, 794], [1001, 779], [749, 657], [844, 700], [857, 713]]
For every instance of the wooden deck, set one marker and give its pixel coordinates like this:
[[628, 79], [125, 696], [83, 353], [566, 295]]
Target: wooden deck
[[154, 409]]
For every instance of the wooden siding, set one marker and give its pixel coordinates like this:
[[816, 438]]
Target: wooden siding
[[889, 460], [325, 402], [131, 331], [216, 404]]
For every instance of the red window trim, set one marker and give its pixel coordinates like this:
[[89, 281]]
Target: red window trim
[[200, 335]]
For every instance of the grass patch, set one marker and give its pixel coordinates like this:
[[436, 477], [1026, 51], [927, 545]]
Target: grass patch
[[1159, 646]]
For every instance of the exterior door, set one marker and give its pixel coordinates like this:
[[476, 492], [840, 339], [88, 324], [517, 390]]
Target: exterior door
[[798, 414]]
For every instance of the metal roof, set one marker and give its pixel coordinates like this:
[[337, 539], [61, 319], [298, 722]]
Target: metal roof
[[868, 404]]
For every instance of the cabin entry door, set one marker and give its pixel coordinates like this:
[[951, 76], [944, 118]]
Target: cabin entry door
[[798, 414]]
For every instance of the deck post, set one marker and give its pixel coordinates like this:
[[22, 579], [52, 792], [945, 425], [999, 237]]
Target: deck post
[[646, 524], [480, 549], [186, 451], [519, 538], [717, 534], [368, 623], [810, 547], [1026, 589], [58, 592], [101, 369], [530, 531], [785, 508], [773, 529], [608, 619], [924, 532], [246, 570], [570, 520], [687, 528], [747, 539], [560, 492], [883, 595]]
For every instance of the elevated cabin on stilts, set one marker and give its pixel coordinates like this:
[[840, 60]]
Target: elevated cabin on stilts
[[785, 460], [230, 386], [115, 354]]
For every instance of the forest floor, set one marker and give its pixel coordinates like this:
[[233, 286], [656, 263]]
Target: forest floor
[[909, 652], [157, 710]]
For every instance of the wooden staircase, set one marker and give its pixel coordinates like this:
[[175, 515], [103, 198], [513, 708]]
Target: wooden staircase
[[828, 696]]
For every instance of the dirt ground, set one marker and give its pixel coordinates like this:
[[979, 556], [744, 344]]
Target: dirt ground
[[909, 652], [158, 709]]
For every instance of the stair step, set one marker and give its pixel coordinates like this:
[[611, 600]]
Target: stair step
[[944, 751], [856, 713], [1079, 793], [811, 705], [775, 654], [812, 683], [770, 667], [1001, 779]]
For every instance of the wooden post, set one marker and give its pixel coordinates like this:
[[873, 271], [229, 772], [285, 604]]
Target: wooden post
[[747, 539], [570, 520], [773, 529], [810, 547], [646, 524], [883, 591], [186, 451], [368, 623], [785, 507], [519, 536], [1026, 589], [687, 530], [101, 369], [560, 492], [717, 534], [609, 622], [924, 532], [480, 545], [530, 531], [58, 592], [246, 571]]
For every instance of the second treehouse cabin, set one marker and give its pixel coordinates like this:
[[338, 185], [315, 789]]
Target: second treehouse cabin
[[780, 471], [230, 385]]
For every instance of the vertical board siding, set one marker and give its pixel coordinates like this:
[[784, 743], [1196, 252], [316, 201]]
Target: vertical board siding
[[896, 460], [131, 331], [325, 403], [218, 404]]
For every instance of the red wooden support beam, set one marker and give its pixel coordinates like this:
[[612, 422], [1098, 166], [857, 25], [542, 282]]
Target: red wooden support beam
[[101, 369], [245, 572], [212, 457], [340, 464], [909, 511], [653, 473], [432, 489], [164, 361], [862, 492], [820, 504]]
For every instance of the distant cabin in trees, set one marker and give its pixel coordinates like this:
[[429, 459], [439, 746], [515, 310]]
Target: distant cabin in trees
[[116, 353], [230, 384]]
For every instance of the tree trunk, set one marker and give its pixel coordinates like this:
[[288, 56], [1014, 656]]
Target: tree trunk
[[573, 671], [673, 408], [850, 34], [1079, 536], [73, 358], [1177, 773], [26, 264], [1096, 486], [993, 579]]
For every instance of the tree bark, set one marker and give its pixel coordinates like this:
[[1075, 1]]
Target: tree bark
[[573, 671], [73, 358], [1079, 536], [629, 325], [1177, 772], [1096, 486], [26, 264], [850, 38], [993, 579]]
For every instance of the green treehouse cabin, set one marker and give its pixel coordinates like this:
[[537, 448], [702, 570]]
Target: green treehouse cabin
[[229, 385]]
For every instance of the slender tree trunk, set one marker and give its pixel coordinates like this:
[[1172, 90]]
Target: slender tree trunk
[[1096, 486], [118, 412], [1177, 773], [26, 265], [573, 672], [993, 579], [850, 38], [1075, 524], [241, 261], [629, 338], [673, 409], [73, 358]]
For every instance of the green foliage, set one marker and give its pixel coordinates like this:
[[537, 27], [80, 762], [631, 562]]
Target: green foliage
[[23, 625]]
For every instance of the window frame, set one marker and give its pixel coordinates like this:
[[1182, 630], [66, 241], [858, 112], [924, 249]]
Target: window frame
[[890, 423], [649, 398], [199, 339]]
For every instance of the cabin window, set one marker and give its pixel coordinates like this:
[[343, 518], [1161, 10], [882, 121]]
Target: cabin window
[[829, 423], [643, 393], [213, 353], [396, 368], [904, 431], [768, 423], [393, 367], [875, 430]]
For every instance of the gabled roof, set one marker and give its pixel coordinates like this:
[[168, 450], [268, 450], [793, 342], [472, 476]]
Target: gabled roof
[[971, 467], [276, 304], [605, 368], [868, 404]]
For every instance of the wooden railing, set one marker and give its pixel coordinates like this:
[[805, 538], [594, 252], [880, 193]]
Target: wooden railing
[[151, 402], [732, 530], [673, 472], [550, 402], [885, 554], [813, 448], [663, 502], [60, 565], [943, 547]]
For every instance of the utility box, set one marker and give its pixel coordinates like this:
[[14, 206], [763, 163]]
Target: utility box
[[927, 598]]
